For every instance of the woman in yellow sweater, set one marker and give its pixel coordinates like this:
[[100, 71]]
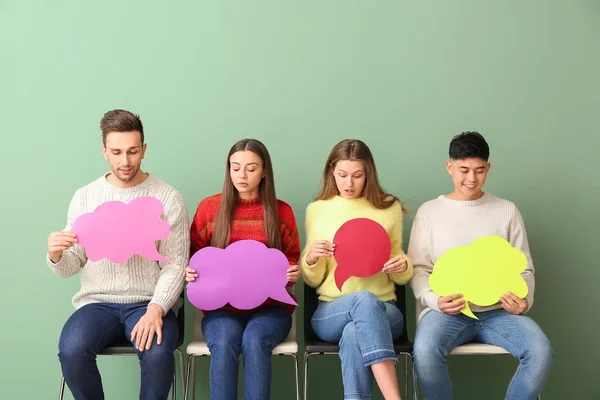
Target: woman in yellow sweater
[[363, 316]]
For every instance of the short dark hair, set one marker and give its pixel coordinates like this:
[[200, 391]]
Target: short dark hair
[[469, 144], [120, 121]]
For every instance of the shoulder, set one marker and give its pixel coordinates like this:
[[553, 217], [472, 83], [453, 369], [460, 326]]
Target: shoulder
[[318, 206], [500, 203], [284, 208], [209, 201]]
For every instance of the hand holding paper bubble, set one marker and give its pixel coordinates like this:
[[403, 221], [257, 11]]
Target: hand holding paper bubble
[[483, 272], [117, 230], [244, 275], [362, 247]]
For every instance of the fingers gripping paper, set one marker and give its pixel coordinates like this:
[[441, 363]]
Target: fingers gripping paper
[[244, 275], [362, 247], [483, 272], [116, 230]]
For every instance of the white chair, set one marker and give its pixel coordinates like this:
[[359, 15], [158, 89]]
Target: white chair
[[199, 348]]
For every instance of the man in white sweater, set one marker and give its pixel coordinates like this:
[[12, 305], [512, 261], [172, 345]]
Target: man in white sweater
[[130, 302], [457, 219]]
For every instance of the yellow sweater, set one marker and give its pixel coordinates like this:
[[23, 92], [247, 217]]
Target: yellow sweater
[[323, 219]]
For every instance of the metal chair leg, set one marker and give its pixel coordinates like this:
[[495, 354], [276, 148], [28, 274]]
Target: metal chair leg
[[306, 375], [297, 377], [187, 379], [61, 392], [406, 376], [181, 367], [174, 385]]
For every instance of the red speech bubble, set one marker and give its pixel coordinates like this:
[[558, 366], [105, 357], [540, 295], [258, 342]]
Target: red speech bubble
[[362, 247]]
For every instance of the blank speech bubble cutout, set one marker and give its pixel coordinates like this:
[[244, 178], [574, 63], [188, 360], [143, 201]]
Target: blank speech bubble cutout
[[483, 272], [244, 274], [117, 230], [362, 247]]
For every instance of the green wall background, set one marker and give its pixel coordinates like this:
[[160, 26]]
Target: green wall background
[[300, 76]]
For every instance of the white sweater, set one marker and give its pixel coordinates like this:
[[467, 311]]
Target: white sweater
[[138, 279], [442, 224]]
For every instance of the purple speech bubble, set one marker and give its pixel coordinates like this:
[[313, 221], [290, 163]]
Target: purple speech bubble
[[117, 230], [244, 275]]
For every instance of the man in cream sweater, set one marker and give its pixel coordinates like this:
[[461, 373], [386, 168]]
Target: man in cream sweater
[[457, 219], [132, 301]]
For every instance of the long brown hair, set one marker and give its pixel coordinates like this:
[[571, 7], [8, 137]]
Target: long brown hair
[[230, 198], [356, 150]]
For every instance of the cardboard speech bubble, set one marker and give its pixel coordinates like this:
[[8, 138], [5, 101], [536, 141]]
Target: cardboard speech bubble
[[244, 274], [483, 272], [116, 230], [362, 247]]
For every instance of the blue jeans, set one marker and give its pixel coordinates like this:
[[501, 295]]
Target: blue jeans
[[365, 328], [438, 334], [252, 334], [95, 326]]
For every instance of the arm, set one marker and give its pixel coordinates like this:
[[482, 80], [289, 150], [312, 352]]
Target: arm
[[517, 237], [313, 274], [290, 239], [395, 233], [199, 237], [73, 259], [418, 251], [176, 249]]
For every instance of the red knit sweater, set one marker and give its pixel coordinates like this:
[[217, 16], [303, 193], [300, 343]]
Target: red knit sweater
[[247, 224]]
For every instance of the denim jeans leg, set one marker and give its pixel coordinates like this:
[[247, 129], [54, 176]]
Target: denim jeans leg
[[266, 328], [223, 331], [90, 329], [157, 363], [437, 335], [526, 341]]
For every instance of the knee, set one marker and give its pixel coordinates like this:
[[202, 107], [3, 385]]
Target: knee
[[257, 344], [225, 346], [73, 347], [158, 355], [541, 352], [428, 356], [368, 299]]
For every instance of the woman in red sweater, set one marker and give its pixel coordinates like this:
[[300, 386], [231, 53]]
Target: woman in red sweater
[[246, 209]]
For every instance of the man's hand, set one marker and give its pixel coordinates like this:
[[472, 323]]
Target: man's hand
[[150, 324], [513, 304], [59, 242], [448, 306]]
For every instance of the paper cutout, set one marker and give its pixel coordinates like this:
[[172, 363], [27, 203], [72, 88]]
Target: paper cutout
[[483, 272], [117, 230], [244, 275], [362, 247]]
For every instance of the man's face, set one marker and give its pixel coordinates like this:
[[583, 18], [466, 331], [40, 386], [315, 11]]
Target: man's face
[[124, 152], [468, 176]]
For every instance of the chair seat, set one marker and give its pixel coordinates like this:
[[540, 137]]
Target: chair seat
[[200, 348], [475, 349], [317, 346], [118, 349]]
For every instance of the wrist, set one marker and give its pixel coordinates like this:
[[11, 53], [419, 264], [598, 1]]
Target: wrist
[[55, 257], [155, 309]]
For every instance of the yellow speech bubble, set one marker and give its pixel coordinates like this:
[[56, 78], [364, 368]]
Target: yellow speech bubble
[[483, 272]]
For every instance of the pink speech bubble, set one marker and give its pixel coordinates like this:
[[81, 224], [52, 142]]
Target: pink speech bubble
[[244, 275], [117, 230], [362, 247]]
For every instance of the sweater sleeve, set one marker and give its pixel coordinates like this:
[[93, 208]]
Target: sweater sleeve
[[290, 239], [418, 251], [396, 239], [314, 274], [199, 237], [73, 259], [517, 237], [175, 248]]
